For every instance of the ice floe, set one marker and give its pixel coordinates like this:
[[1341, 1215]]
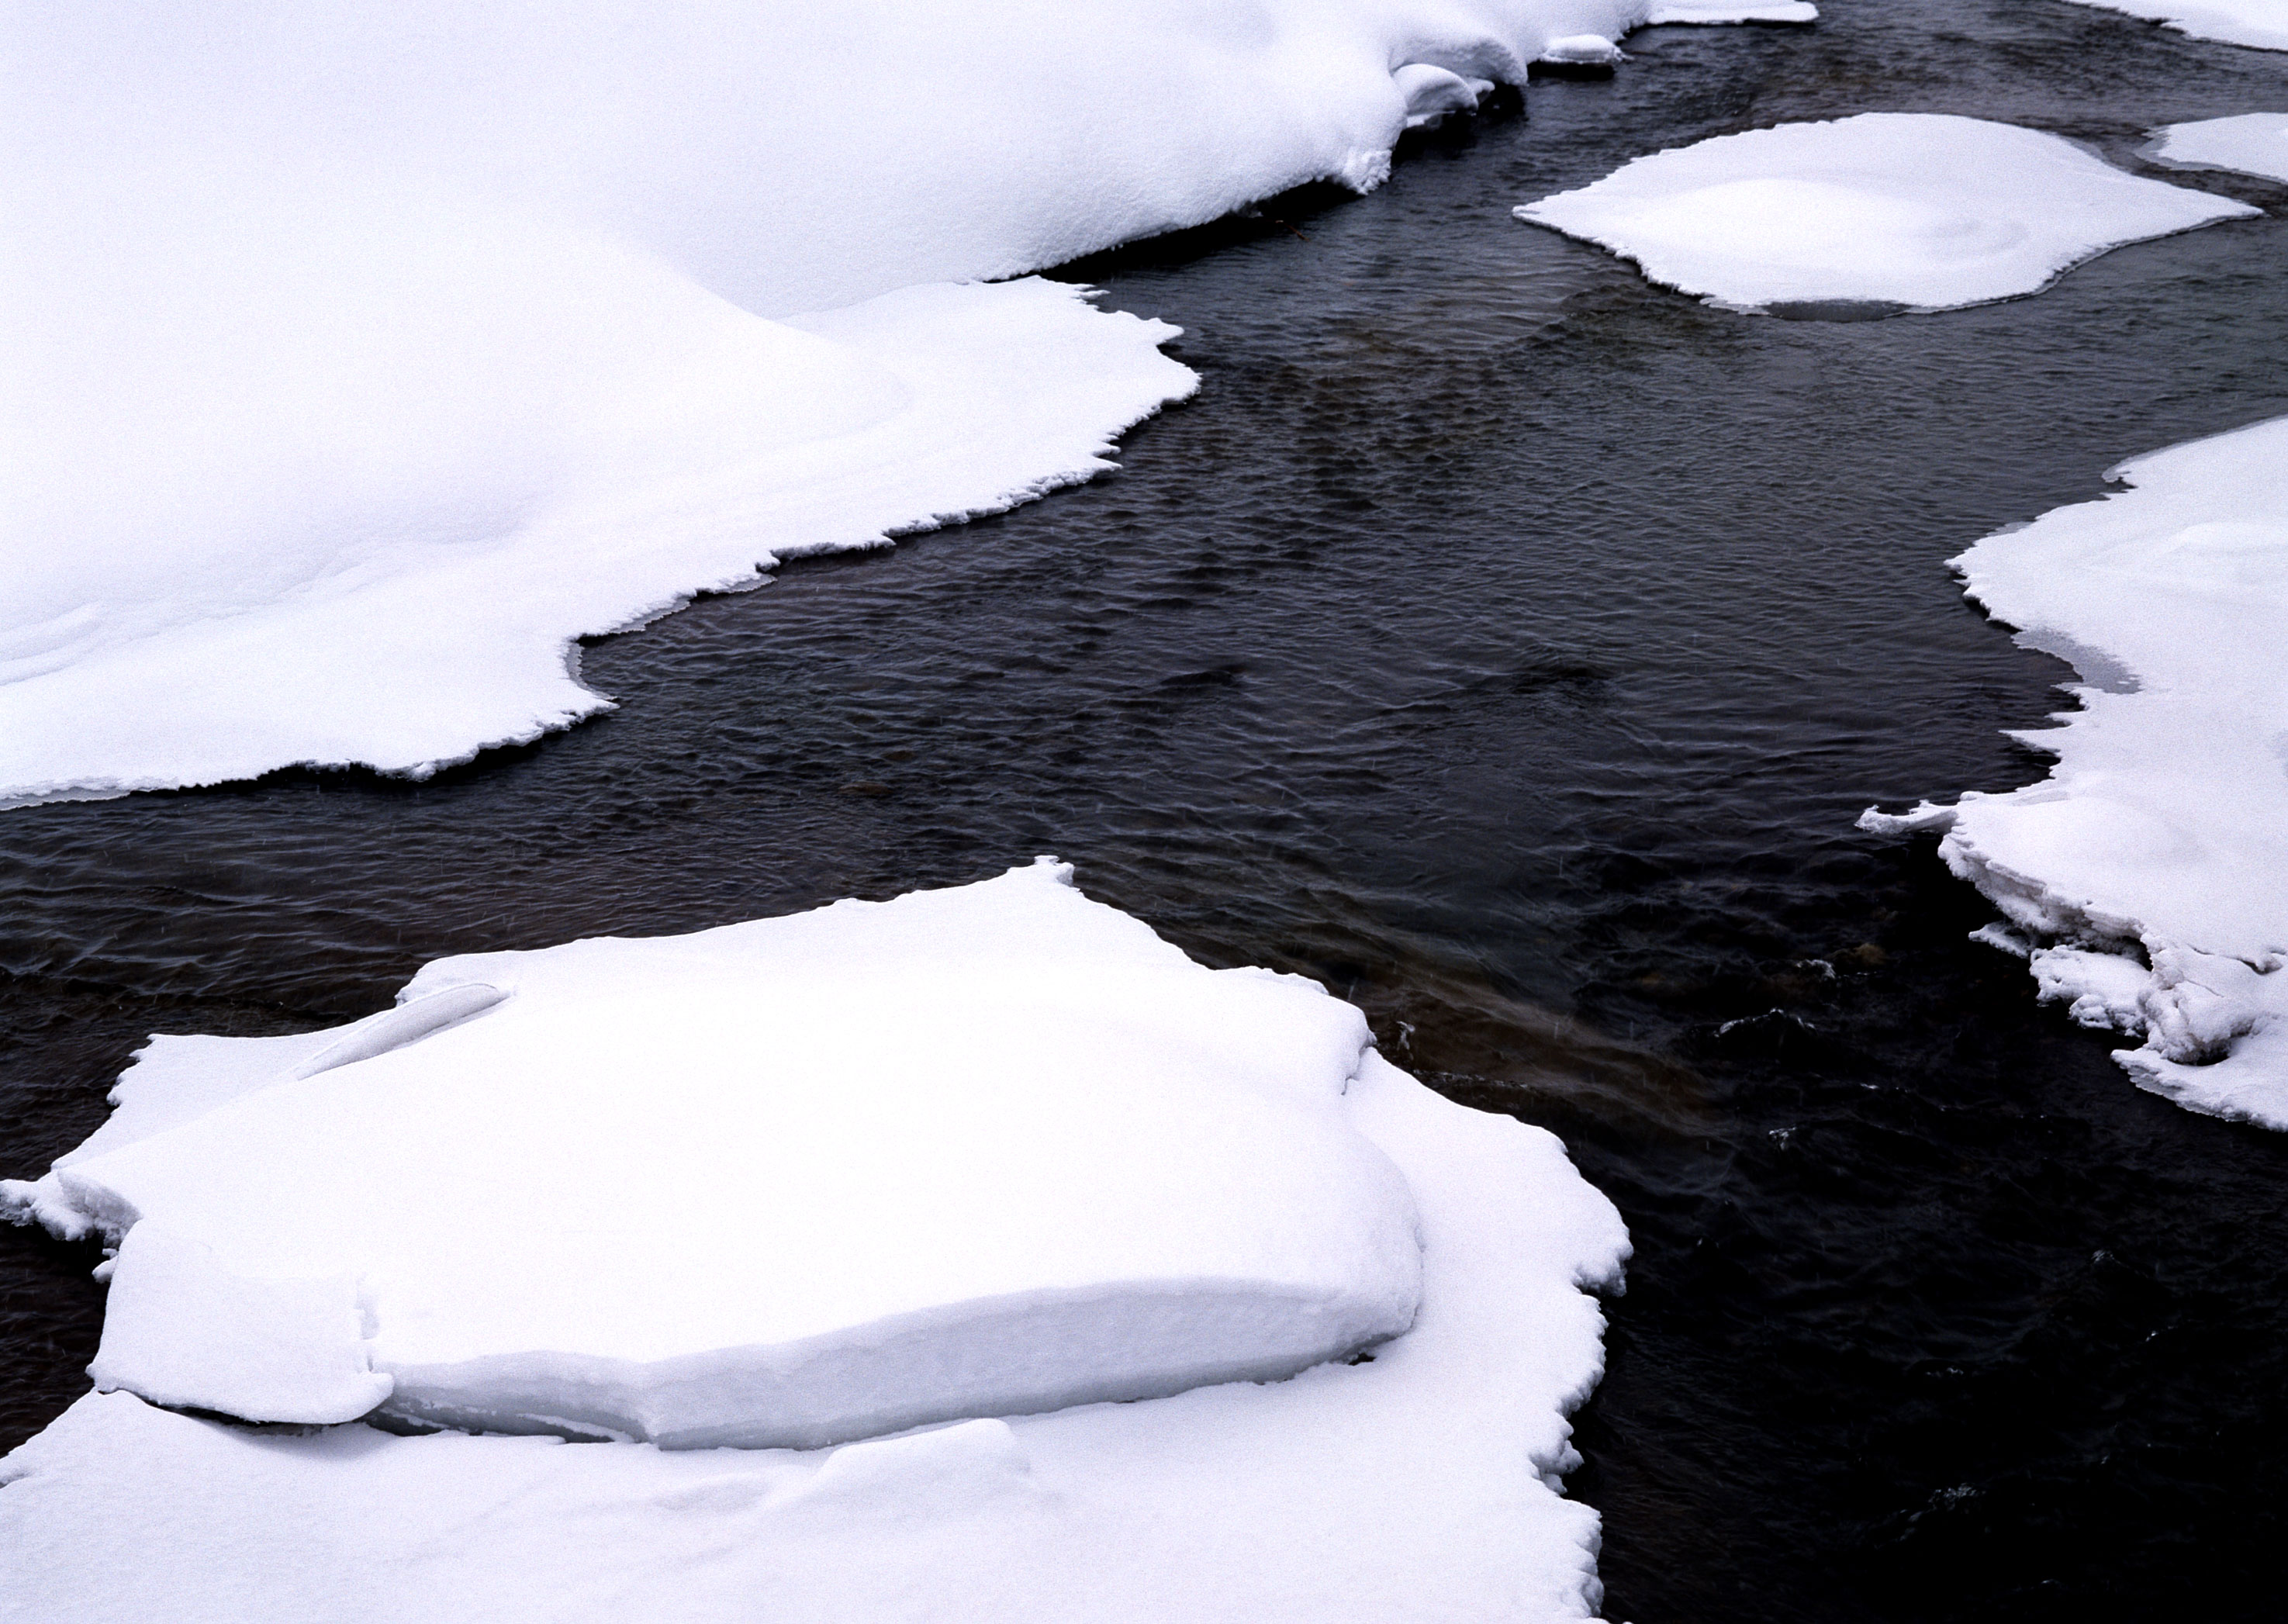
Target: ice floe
[[2260, 23], [2249, 144], [2153, 861], [1924, 212], [981, 1151], [364, 357], [954, 1158]]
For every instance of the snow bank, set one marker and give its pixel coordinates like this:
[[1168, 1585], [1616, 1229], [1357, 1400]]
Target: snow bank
[[2261, 23], [1196, 1123], [1924, 210], [974, 1152], [363, 356], [2251, 144], [2154, 858]]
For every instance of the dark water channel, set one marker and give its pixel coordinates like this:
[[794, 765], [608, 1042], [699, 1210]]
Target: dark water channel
[[1509, 645]]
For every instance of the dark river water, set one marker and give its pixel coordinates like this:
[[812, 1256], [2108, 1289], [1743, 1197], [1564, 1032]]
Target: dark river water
[[1509, 645]]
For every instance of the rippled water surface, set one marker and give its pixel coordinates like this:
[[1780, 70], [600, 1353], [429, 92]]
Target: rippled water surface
[[1509, 645]]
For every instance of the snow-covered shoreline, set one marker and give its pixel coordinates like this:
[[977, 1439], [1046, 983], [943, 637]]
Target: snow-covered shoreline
[[364, 358], [1343, 1319], [2146, 878]]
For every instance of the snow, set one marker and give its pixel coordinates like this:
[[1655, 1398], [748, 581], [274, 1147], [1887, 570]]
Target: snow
[[1719, 12], [2153, 861], [364, 357], [1242, 1116], [2261, 23], [1924, 210], [1059, 1163], [2251, 144], [182, 1330], [1582, 50]]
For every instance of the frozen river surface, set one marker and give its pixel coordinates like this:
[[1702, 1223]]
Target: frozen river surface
[[1511, 645]]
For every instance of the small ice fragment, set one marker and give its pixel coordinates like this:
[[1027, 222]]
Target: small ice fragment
[[2003, 938], [408, 1023]]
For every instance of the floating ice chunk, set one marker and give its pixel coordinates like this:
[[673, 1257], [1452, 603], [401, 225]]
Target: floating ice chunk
[[181, 1330], [1717, 11], [976, 1151], [1418, 1486], [1922, 210], [2261, 23], [2251, 144], [2160, 828]]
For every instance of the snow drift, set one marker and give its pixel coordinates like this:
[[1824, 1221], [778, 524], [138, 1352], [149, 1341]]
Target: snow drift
[[2248, 144], [2147, 877], [951, 1158], [362, 357], [1923, 211]]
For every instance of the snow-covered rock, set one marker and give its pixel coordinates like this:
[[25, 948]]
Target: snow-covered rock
[[2155, 855], [2261, 23], [1923, 211], [1581, 54], [361, 357], [2251, 144], [974, 1097], [974, 1152]]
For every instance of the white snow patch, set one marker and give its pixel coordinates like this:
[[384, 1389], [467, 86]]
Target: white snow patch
[[1582, 50], [1423, 1484], [363, 356], [180, 1329], [1924, 210], [2248, 144], [2261, 23], [974, 1151], [2160, 828]]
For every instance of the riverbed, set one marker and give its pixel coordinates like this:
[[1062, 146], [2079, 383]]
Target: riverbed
[[1509, 645]]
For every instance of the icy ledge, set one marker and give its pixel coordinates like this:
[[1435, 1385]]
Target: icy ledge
[[974, 1151], [2262, 24], [2149, 873], [997, 1097], [1920, 210]]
